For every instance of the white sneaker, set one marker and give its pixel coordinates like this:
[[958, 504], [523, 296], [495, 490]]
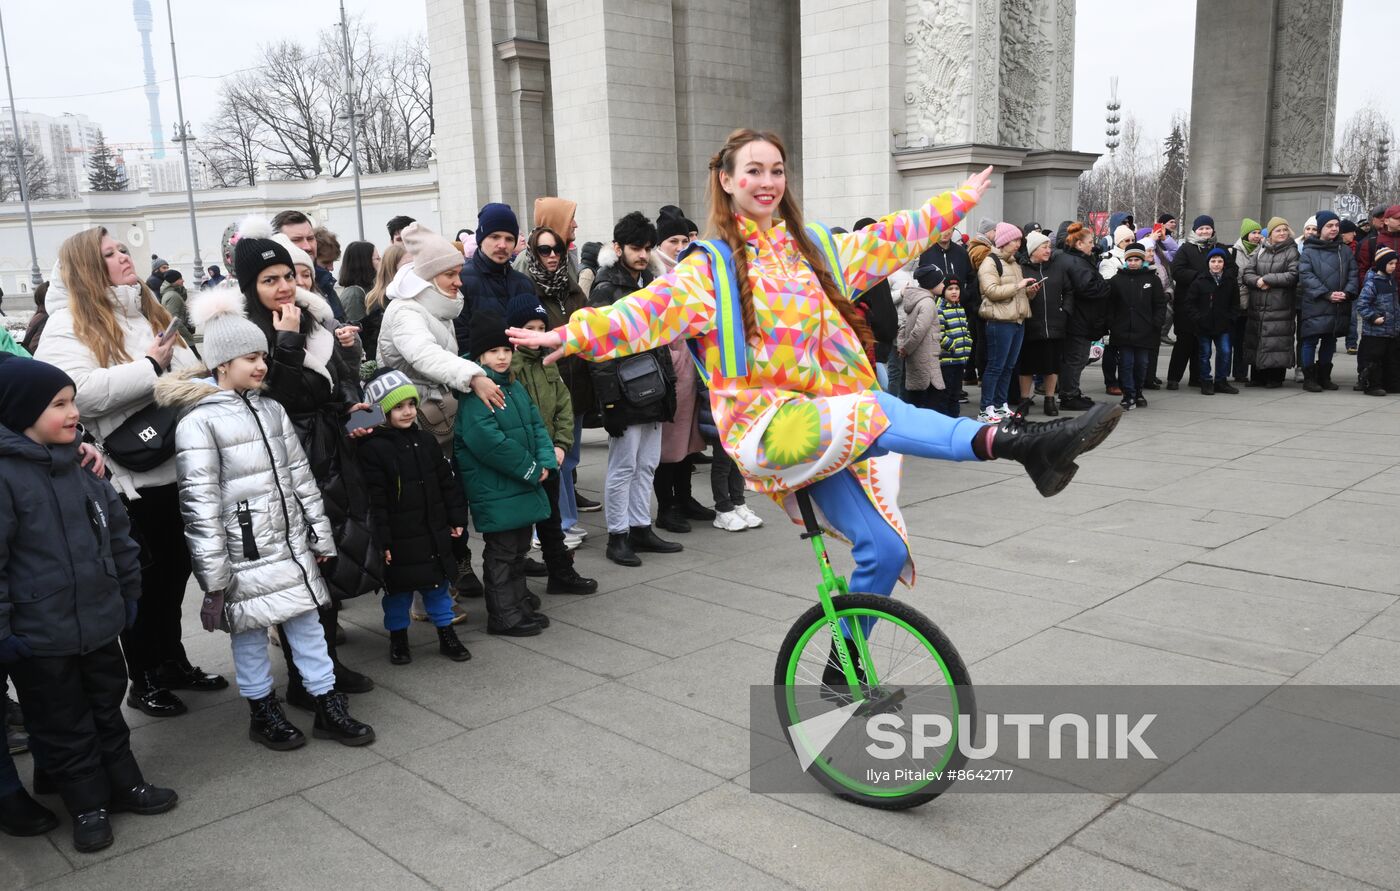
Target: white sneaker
[[576, 532], [991, 415], [748, 516], [534, 542], [574, 537], [730, 521]]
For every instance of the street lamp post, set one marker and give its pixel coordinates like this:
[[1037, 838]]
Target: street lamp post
[[35, 278], [1111, 140], [350, 109], [184, 139]]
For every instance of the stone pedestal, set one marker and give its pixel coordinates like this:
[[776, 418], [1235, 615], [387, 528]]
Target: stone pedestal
[[1263, 106]]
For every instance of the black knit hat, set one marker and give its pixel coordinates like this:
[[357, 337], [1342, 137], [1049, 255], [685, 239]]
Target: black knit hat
[[671, 222], [525, 308], [172, 276], [27, 386], [928, 277], [488, 332], [255, 251], [1165, 218]]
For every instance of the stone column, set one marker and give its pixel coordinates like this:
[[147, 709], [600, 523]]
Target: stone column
[[1263, 104]]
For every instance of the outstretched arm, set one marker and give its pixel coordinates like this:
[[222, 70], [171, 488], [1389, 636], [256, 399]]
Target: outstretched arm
[[872, 254]]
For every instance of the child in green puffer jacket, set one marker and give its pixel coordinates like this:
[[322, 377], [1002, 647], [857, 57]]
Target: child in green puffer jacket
[[505, 456], [551, 397]]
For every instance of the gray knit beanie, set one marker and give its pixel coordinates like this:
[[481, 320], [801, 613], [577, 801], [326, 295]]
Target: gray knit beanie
[[228, 334], [431, 252]]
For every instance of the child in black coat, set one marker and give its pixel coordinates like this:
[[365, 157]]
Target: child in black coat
[[417, 508], [1139, 307], [70, 576], [1212, 302]]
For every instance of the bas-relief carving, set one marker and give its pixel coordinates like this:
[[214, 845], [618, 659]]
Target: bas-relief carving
[[1300, 131], [938, 79], [1064, 75], [1025, 53], [987, 27]]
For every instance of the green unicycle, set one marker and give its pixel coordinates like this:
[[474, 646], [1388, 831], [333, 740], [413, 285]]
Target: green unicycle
[[854, 661]]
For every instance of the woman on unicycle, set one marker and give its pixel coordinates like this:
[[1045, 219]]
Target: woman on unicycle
[[767, 307]]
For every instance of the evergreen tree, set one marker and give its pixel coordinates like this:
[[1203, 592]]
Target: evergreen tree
[[1171, 188], [103, 175]]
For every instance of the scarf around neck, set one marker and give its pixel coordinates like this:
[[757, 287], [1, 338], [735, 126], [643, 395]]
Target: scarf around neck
[[553, 284]]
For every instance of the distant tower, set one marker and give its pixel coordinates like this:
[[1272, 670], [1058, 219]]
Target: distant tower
[[141, 11]]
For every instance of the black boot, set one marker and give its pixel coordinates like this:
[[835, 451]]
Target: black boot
[[269, 725], [399, 652], [348, 680], [532, 600], [181, 675], [535, 569], [1051, 408], [568, 581], [1048, 449], [1224, 386], [620, 550], [1370, 380], [644, 538], [1207, 388], [298, 696], [150, 696], [92, 831], [694, 510], [468, 585], [671, 517], [143, 798], [22, 816], [333, 721], [1077, 402], [1310, 383], [450, 646], [1324, 377]]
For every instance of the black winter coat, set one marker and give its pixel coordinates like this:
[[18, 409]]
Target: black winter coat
[[1139, 308], [955, 263], [880, 313], [70, 564], [318, 409], [1324, 267], [1189, 263], [1085, 296], [416, 500], [1210, 307], [1268, 334], [1048, 320], [487, 286], [612, 284]]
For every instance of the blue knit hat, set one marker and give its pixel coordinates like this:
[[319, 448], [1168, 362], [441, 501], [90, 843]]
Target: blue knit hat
[[1323, 217], [1218, 252], [496, 217], [1202, 220], [525, 308]]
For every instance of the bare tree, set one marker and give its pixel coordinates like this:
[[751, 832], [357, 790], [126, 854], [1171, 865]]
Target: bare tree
[[38, 175], [1370, 175]]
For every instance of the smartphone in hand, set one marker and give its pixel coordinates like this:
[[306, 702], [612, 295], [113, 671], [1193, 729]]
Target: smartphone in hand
[[169, 331], [369, 417]]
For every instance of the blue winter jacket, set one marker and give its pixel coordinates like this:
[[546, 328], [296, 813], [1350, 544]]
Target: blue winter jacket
[[1378, 298]]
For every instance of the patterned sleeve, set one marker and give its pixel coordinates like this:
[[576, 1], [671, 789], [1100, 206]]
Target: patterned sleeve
[[870, 255], [678, 304]]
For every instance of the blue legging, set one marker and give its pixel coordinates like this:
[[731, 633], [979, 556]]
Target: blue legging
[[878, 550]]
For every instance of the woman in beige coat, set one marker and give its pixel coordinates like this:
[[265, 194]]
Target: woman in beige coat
[[1005, 306]]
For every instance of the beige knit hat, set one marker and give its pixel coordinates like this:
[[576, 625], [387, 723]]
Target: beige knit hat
[[432, 254], [299, 256]]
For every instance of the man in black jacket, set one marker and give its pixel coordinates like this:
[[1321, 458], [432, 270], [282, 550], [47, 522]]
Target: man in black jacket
[[636, 395], [1190, 262], [488, 280]]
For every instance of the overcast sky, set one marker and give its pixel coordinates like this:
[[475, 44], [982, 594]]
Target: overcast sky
[[1150, 53]]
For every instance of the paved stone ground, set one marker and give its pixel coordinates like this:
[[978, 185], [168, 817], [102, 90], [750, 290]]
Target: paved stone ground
[[1244, 539]]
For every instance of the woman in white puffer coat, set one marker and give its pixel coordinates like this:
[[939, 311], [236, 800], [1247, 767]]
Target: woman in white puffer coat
[[104, 331]]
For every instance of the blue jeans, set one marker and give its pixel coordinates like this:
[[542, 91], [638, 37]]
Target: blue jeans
[[1003, 349], [895, 371], [437, 603], [1351, 327], [1221, 344], [253, 669], [1132, 370], [1319, 350], [568, 505]]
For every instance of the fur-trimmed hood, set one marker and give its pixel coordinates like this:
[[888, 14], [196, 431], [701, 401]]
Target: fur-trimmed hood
[[607, 258], [187, 388]]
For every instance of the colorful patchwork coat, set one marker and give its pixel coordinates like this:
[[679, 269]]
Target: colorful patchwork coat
[[806, 408]]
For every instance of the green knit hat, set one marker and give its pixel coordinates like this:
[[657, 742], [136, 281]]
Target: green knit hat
[[390, 387], [1249, 226]]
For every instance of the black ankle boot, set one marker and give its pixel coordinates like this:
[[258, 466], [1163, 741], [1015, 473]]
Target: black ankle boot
[[92, 830], [333, 721], [269, 725], [1310, 383], [450, 646], [694, 510], [1051, 407], [348, 680], [399, 653], [1324, 377], [672, 518], [22, 816], [620, 550], [1048, 449], [568, 581], [644, 538], [143, 798], [152, 697], [468, 585], [181, 675]]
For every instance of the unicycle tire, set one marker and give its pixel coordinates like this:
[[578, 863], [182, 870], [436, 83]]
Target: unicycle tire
[[952, 672]]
